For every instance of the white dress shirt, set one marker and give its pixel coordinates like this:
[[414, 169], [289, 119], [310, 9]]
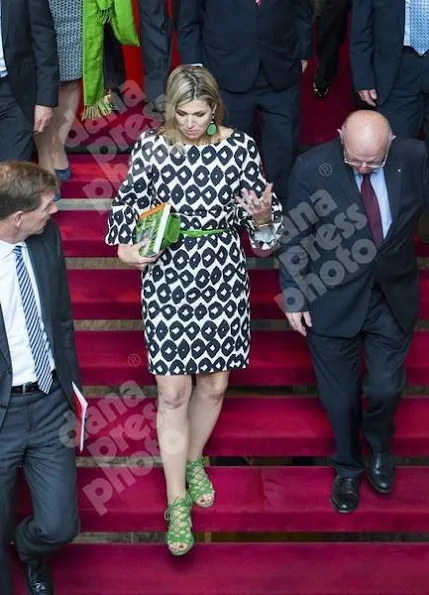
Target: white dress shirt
[[407, 23], [378, 182], [23, 368], [3, 69]]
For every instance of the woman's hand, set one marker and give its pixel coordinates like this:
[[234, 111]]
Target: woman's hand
[[258, 208], [130, 255]]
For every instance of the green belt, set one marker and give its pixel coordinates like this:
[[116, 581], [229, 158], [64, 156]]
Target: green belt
[[201, 233]]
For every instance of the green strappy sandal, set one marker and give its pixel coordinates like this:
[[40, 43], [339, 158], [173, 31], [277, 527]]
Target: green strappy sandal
[[199, 485], [179, 534]]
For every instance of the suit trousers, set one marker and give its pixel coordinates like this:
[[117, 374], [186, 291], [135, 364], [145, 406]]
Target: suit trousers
[[279, 113], [331, 34], [156, 43], [407, 106], [31, 437], [16, 130], [337, 364]]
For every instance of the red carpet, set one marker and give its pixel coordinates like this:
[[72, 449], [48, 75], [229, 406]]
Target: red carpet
[[115, 294], [277, 359], [245, 569], [261, 426], [258, 499], [95, 176]]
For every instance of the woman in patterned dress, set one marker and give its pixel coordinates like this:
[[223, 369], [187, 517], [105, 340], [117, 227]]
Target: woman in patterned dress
[[67, 16], [195, 294]]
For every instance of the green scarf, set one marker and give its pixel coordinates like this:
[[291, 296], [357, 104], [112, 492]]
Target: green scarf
[[96, 13]]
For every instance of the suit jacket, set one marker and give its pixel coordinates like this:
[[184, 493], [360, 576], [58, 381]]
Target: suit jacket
[[233, 37], [30, 51], [328, 261], [49, 268], [377, 38]]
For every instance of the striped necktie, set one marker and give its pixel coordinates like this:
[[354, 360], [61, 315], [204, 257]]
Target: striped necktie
[[258, 2], [32, 322], [419, 25]]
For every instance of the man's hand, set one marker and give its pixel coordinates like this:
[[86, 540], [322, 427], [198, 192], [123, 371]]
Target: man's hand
[[369, 96], [130, 255], [42, 117], [304, 64], [299, 321]]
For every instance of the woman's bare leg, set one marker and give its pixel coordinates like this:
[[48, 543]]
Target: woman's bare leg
[[172, 425], [204, 410], [51, 142]]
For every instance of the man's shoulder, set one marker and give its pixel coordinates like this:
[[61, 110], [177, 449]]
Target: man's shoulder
[[49, 235], [51, 230], [322, 157], [408, 149]]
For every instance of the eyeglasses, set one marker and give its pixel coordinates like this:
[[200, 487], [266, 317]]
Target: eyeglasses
[[368, 164]]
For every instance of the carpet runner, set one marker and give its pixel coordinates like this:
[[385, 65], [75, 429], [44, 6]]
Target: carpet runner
[[257, 499], [251, 425], [115, 294], [245, 569], [277, 358]]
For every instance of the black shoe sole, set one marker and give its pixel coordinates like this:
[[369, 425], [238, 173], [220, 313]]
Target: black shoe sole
[[343, 511], [377, 488]]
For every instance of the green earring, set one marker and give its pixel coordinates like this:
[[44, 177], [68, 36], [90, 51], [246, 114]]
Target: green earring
[[211, 128]]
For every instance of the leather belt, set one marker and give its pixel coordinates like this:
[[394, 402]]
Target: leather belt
[[30, 387]]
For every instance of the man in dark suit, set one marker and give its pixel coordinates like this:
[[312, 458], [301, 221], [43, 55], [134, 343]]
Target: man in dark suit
[[37, 367], [390, 63], [256, 50], [349, 278], [29, 77]]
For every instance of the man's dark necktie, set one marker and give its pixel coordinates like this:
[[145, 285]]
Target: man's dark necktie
[[370, 202], [258, 2]]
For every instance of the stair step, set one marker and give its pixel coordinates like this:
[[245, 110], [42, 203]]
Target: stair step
[[243, 569], [277, 359], [83, 234], [95, 176], [248, 426], [115, 294], [254, 499]]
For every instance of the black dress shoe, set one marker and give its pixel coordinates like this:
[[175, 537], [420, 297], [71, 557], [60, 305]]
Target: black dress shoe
[[345, 493], [320, 89], [381, 472], [39, 579]]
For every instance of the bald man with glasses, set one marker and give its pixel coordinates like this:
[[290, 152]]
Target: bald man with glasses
[[349, 278]]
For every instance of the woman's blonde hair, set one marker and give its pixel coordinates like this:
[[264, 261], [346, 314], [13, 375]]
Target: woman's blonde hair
[[185, 84]]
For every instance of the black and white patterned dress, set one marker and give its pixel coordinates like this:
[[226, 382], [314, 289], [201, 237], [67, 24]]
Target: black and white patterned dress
[[196, 295], [67, 16]]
